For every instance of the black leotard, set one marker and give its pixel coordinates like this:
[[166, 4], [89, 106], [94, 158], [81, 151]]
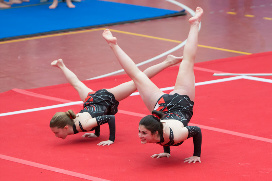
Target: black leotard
[[99, 103], [179, 107]]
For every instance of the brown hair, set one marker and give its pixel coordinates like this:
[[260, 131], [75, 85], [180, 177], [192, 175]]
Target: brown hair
[[61, 119]]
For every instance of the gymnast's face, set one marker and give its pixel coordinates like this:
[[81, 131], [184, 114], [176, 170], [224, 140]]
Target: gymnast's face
[[60, 132], [145, 135]]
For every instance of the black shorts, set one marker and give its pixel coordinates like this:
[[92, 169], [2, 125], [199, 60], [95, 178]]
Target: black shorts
[[176, 106], [100, 103]]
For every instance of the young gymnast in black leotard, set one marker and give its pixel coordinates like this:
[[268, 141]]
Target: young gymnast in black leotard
[[168, 126], [99, 106]]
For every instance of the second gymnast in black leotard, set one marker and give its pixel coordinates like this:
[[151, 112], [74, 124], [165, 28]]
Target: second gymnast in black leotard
[[99, 108]]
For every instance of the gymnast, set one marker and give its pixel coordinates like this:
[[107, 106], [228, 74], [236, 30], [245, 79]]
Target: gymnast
[[171, 113], [99, 106]]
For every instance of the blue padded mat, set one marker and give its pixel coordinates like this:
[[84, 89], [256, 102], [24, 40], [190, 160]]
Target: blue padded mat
[[33, 19]]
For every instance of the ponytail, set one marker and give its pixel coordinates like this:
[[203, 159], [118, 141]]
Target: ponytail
[[71, 114], [61, 119], [158, 115]]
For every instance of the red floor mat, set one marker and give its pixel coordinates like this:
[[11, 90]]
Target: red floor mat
[[234, 116]]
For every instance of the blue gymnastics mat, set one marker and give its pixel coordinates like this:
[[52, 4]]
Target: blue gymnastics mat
[[33, 19]]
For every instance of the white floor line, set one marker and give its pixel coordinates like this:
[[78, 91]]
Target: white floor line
[[257, 79], [80, 102], [40, 108], [137, 93], [200, 83], [50, 168], [243, 135], [240, 74]]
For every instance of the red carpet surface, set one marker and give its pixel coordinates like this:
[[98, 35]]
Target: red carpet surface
[[233, 112]]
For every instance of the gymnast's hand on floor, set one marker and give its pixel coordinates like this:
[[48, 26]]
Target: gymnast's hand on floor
[[160, 155], [89, 135], [192, 159], [103, 143]]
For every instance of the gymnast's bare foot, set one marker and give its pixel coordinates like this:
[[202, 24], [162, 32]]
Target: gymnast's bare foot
[[4, 5], [197, 17], [54, 4], [173, 60], [58, 63], [14, 2], [108, 37], [70, 4]]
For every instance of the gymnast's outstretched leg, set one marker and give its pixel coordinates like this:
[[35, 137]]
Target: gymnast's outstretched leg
[[126, 89], [148, 90], [81, 88], [185, 82]]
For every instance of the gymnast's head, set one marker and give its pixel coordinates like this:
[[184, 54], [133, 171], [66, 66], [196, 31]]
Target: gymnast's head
[[150, 127], [62, 123]]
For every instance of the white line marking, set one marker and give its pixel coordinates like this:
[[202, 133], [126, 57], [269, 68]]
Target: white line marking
[[234, 133], [136, 93], [53, 169], [245, 74], [199, 83], [258, 79], [219, 80], [40, 108], [182, 6]]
